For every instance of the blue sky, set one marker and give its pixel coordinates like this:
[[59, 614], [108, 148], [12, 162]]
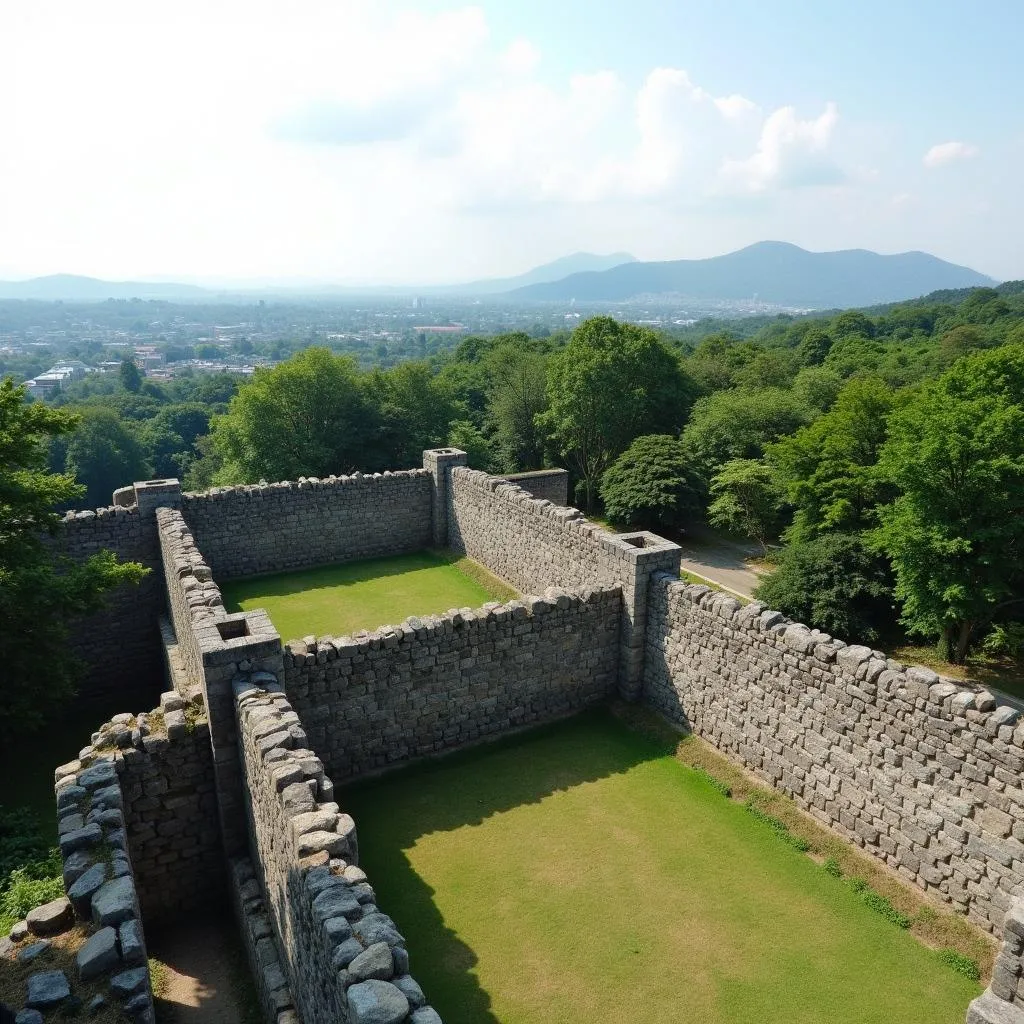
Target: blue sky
[[386, 142]]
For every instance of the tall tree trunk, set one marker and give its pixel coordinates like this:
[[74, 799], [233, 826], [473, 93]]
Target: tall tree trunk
[[945, 648], [963, 642]]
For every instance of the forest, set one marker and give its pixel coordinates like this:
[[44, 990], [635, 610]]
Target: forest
[[876, 455]]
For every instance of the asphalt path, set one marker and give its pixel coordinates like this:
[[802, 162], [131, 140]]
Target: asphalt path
[[720, 561]]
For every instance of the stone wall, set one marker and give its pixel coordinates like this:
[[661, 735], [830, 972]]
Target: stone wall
[[549, 484], [120, 645], [534, 544], [440, 682], [919, 772], [263, 528], [168, 804], [341, 958], [100, 886], [1003, 1001], [192, 596]]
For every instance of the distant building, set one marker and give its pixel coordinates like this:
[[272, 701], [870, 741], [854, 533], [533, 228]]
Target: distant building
[[57, 377]]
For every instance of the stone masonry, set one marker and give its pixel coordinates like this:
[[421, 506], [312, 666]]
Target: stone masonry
[[343, 959], [247, 530], [225, 782], [430, 684], [921, 773]]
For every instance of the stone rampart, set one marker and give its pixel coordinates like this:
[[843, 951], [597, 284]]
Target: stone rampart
[[549, 484], [919, 772], [534, 544], [120, 644], [192, 596], [168, 804], [101, 890], [264, 528], [1003, 1001], [336, 953], [442, 681]]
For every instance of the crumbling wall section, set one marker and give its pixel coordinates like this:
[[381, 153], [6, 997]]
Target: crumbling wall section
[[922, 773], [264, 528], [439, 682], [341, 958]]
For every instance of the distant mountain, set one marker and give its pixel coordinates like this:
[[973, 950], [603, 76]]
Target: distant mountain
[[71, 288], [556, 270], [774, 272]]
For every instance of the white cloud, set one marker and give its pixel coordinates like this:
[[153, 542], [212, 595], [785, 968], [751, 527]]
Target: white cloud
[[949, 152], [336, 139], [790, 153]]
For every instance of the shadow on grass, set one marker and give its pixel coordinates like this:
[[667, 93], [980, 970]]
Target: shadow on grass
[[346, 574], [464, 789]]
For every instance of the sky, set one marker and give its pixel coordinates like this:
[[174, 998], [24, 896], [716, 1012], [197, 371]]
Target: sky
[[222, 141]]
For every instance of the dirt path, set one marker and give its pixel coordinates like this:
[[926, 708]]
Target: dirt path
[[202, 966]]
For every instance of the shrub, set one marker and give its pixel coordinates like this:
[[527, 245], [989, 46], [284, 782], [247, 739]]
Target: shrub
[[832, 582], [651, 484], [1007, 640], [22, 892], [778, 827], [832, 868], [878, 903], [961, 964]]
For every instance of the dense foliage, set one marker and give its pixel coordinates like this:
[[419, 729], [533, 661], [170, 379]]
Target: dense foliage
[[39, 590], [651, 485], [849, 425]]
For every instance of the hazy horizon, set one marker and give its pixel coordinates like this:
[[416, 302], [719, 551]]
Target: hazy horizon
[[349, 143]]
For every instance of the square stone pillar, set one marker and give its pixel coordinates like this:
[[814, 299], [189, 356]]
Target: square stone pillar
[[153, 494], [634, 558], [439, 462]]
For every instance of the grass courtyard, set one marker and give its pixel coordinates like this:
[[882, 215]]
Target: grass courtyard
[[581, 873], [337, 600]]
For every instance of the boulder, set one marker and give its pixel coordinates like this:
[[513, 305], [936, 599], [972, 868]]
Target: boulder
[[51, 918], [128, 983], [376, 1002], [374, 962], [98, 954], [48, 988], [114, 901]]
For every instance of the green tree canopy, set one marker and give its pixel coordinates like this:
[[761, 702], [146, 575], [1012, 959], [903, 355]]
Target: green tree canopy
[[103, 455], [516, 397], [611, 383], [304, 417], [39, 590], [955, 534], [746, 499], [828, 467], [131, 377], [651, 485], [740, 425], [834, 583]]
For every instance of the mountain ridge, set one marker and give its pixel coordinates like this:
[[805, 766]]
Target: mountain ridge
[[775, 272]]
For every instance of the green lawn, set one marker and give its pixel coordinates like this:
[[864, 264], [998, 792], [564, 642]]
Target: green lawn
[[581, 874], [337, 600]]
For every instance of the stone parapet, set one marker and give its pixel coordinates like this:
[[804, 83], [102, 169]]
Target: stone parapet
[[264, 528], [341, 958], [442, 681], [922, 773]]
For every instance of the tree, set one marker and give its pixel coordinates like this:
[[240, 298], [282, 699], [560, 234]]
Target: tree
[[835, 583], [609, 384], [651, 485], [103, 455], [463, 434], [814, 347], [955, 533], [828, 467], [39, 590], [746, 499], [305, 417], [131, 377], [516, 397], [413, 408], [740, 425]]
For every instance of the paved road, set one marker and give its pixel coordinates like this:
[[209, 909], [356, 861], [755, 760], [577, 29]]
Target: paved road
[[721, 561]]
